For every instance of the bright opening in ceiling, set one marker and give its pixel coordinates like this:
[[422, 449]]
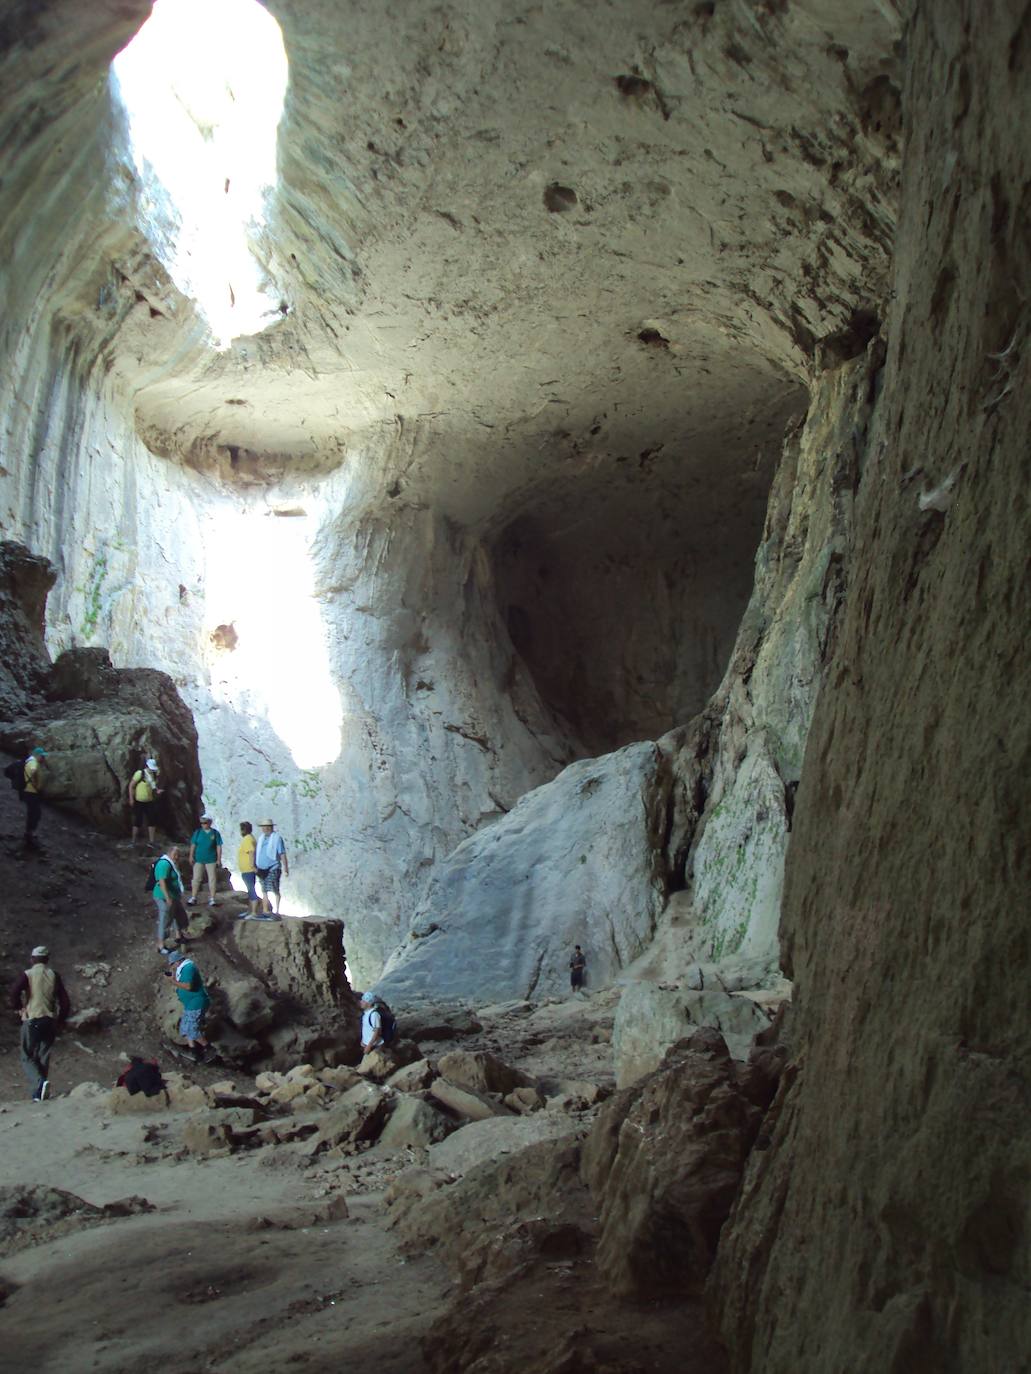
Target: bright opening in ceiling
[[203, 84]]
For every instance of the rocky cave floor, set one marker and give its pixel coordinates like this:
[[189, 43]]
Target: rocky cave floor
[[229, 1231]]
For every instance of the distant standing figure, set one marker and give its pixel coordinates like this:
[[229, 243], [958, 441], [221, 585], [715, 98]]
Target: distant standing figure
[[40, 999], [272, 863], [247, 866], [33, 775], [143, 794], [193, 995], [168, 897], [205, 855], [577, 967]]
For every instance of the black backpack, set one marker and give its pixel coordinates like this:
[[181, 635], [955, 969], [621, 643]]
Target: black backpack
[[152, 881], [387, 1023], [15, 775]]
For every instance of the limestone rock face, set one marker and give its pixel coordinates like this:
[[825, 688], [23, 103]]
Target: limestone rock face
[[884, 1228], [25, 581], [649, 1019], [573, 863], [508, 440], [299, 959]]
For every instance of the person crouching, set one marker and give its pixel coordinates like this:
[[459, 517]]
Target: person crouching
[[193, 995]]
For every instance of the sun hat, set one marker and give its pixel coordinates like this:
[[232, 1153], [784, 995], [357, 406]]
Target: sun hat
[[266, 823], [41, 952]]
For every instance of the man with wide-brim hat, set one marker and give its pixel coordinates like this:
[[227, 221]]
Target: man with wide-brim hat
[[271, 865], [40, 999]]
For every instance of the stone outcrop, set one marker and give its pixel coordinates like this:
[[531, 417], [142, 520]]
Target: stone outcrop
[[572, 863], [96, 723], [279, 996], [650, 1018], [664, 1162]]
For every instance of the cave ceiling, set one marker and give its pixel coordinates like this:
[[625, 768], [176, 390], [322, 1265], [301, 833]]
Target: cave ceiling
[[518, 247]]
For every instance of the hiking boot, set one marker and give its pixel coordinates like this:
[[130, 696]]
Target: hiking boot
[[210, 1055]]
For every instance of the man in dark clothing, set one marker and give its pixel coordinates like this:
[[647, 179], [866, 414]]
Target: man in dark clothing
[[577, 965], [40, 999]]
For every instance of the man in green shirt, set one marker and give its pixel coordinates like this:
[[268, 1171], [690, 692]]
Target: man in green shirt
[[206, 857], [168, 897]]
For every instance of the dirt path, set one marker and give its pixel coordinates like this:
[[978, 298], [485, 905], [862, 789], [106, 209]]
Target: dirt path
[[230, 1271]]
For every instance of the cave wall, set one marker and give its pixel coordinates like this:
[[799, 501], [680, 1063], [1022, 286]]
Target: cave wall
[[456, 355], [886, 1225]]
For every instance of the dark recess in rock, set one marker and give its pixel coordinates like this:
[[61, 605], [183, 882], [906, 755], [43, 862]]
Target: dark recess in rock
[[559, 199]]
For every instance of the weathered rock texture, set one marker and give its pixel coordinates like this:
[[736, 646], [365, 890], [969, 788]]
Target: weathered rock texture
[[550, 293], [97, 723], [886, 1227]]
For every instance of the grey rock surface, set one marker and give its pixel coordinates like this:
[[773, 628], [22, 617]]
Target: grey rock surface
[[649, 1019]]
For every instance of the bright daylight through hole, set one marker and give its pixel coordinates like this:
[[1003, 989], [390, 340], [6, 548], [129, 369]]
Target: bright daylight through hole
[[203, 85]]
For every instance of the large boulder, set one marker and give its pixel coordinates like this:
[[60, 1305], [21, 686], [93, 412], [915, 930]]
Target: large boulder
[[299, 958], [572, 863], [664, 1162], [25, 582], [415, 1124], [650, 1019], [481, 1072], [97, 723]]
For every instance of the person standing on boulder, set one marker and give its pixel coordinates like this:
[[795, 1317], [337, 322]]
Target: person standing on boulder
[[272, 863], [206, 857], [40, 999], [577, 968], [168, 897], [143, 794], [32, 774], [372, 1023], [247, 866], [193, 995]]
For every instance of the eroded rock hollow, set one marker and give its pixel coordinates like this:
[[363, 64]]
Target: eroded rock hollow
[[609, 529]]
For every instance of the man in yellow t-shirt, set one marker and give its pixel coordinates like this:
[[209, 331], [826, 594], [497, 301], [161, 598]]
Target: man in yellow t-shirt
[[246, 866], [144, 790], [33, 778]]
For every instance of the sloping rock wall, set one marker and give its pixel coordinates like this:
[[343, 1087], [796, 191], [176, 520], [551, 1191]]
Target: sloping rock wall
[[96, 723], [885, 1228]]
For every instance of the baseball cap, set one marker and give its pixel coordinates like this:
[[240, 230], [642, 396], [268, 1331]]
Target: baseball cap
[[39, 753], [206, 817], [41, 952], [152, 763]]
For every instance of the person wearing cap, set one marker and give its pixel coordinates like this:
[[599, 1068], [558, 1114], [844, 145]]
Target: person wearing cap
[[271, 863], [143, 794], [40, 999], [33, 779], [372, 1022], [206, 856]]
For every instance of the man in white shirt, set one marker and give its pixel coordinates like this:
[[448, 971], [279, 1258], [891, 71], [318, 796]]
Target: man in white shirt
[[271, 864]]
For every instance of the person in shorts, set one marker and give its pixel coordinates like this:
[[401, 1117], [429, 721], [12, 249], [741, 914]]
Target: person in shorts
[[272, 865], [206, 857], [190, 989], [247, 867], [144, 791]]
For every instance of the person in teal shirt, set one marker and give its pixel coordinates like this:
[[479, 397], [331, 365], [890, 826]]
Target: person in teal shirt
[[206, 857], [193, 995], [168, 898]]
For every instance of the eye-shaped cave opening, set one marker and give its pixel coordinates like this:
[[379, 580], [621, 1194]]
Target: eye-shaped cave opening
[[623, 592]]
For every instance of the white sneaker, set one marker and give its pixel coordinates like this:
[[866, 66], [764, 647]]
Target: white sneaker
[[44, 1088], [212, 902]]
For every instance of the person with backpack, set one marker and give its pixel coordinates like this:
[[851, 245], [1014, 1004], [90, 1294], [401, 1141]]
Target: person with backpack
[[577, 969], [26, 777], [40, 999], [379, 1026], [143, 792], [193, 995], [165, 883]]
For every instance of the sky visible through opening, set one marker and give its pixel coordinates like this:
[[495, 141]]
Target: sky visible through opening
[[203, 84]]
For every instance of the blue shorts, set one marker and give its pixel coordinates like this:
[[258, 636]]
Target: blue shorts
[[191, 1023], [270, 883]]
